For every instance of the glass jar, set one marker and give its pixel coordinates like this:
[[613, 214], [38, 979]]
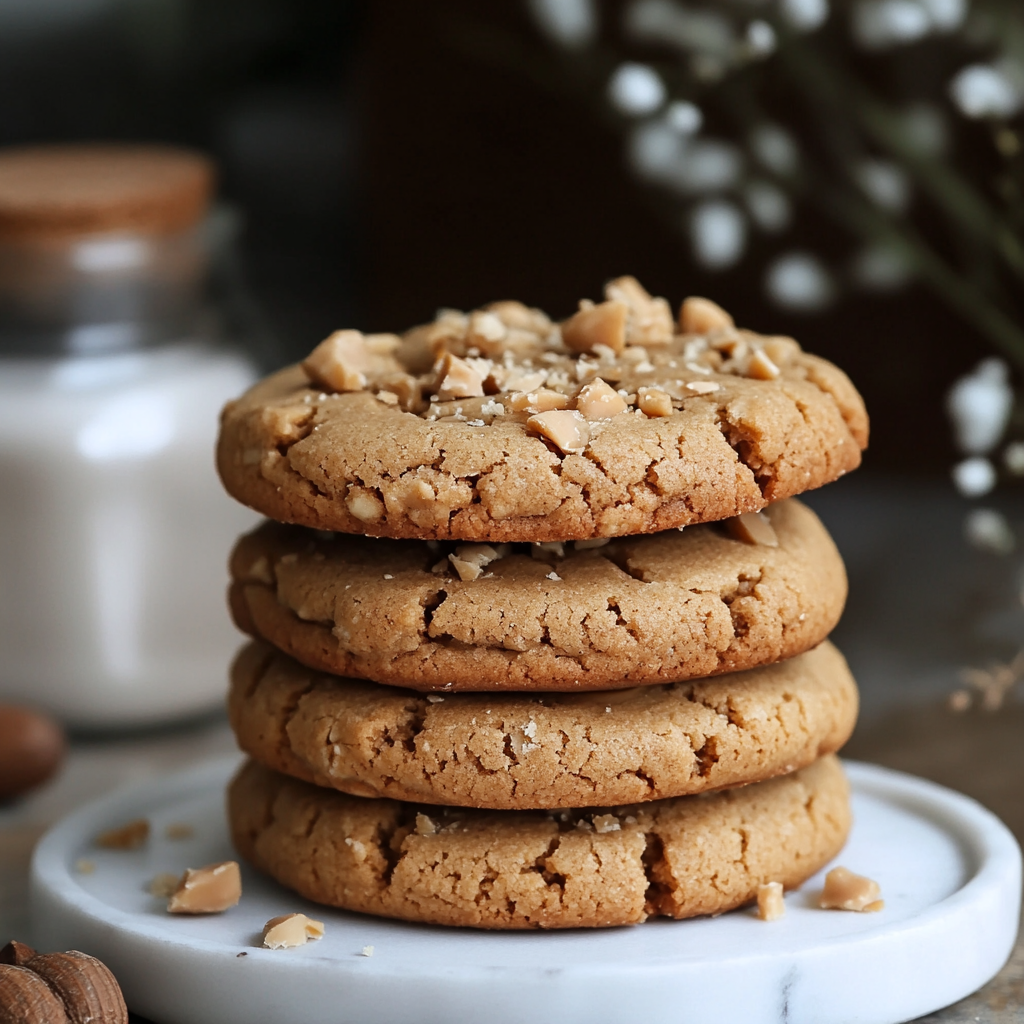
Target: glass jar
[[114, 365]]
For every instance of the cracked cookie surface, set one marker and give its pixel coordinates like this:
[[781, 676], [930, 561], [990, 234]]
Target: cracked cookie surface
[[500, 425], [516, 752], [679, 858], [650, 609]]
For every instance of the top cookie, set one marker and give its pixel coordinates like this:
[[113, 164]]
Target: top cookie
[[500, 425]]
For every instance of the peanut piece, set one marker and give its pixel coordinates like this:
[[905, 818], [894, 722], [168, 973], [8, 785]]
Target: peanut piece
[[366, 507], [291, 930], [703, 387], [846, 891], [650, 318], [340, 362], [600, 401], [542, 400], [760, 367], [780, 349], [469, 559], [770, 905], [753, 528], [127, 837], [565, 428], [702, 316], [207, 890], [654, 402], [604, 324], [457, 379]]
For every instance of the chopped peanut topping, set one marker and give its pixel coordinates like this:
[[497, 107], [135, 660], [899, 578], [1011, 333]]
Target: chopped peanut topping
[[565, 428], [127, 837], [846, 891], [770, 905], [291, 930], [469, 559], [542, 400], [702, 316], [600, 401], [761, 367], [341, 362], [654, 402], [366, 507], [753, 528], [425, 825], [604, 324], [703, 387], [649, 319], [517, 315], [207, 890], [780, 349], [457, 379]]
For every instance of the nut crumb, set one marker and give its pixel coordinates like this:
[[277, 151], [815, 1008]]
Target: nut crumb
[[367, 951], [207, 890], [126, 837], [388, 576], [291, 930], [845, 890], [163, 885], [565, 428], [703, 387], [179, 830], [554, 576], [770, 904], [434, 698], [753, 528], [606, 823]]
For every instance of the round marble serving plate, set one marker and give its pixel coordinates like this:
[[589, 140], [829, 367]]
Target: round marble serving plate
[[950, 874]]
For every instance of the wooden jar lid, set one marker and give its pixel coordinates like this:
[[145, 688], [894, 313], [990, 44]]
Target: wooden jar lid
[[66, 190]]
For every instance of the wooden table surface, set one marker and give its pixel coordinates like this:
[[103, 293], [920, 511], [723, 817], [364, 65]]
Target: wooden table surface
[[981, 754]]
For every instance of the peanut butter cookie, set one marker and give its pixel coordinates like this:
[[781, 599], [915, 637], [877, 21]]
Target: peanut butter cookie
[[594, 868], [519, 752], [500, 425], [658, 608]]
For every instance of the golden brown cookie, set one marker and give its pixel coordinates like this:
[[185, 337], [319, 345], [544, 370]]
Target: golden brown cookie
[[500, 425], [677, 858], [518, 752], [651, 609]]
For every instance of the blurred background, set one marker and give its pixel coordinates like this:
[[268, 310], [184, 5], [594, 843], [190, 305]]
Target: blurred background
[[850, 172]]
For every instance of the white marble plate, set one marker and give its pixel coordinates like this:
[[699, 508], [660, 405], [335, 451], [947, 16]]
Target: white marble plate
[[950, 874]]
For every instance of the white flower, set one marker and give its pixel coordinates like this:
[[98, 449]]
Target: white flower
[[974, 476], [979, 404], [774, 148], [686, 118], [983, 90], [946, 15], [1013, 458], [661, 154], [884, 183], [636, 89], [987, 529], [805, 15], [880, 268], [881, 23], [694, 31], [769, 206], [799, 280], [718, 230], [570, 23], [760, 38]]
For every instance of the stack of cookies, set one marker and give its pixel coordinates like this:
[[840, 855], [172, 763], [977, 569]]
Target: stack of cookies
[[540, 633]]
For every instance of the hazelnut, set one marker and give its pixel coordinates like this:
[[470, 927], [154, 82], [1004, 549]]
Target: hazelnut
[[26, 999], [565, 428], [207, 890], [599, 401], [16, 954], [702, 316], [86, 987], [31, 750], [291, 930], [126, 837], [770, 905], [654, 402], [457, 379], [603, 324], [753, 528], [846, 891]]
